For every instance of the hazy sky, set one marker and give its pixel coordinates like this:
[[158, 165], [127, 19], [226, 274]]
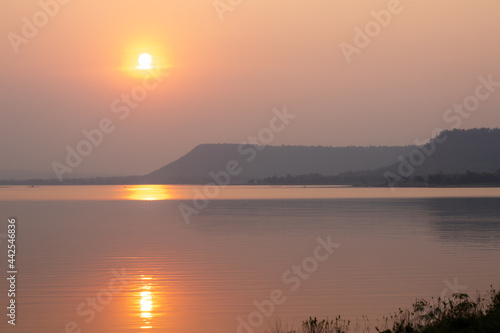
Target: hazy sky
[[224, 77]]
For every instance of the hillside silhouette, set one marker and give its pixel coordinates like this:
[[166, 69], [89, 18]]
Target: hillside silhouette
[[259, 161], [462, 155], [452, 152], [454, 157]]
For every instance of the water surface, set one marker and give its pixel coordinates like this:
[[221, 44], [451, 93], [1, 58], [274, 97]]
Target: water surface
[[74, 241]]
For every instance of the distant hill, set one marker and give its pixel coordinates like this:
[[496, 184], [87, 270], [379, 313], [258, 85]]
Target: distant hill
[[19, 174], [475, 150], [258, 161], [12, 174], [452, 152], [457, 152]]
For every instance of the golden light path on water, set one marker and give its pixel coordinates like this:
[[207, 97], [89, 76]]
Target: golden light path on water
[[242, 192], [147, 192], [146, 303]]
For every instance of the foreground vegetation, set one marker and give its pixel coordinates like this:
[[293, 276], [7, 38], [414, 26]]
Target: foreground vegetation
[[459, 314]]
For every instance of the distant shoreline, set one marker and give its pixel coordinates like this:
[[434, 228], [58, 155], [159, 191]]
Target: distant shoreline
[[36, 184]]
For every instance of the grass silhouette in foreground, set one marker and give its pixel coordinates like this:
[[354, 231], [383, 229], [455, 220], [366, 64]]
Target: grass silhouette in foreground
[[459, 314]]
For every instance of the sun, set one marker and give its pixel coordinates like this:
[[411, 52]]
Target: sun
[[145, 61]]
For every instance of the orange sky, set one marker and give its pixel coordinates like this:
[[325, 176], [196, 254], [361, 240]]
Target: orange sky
[[225, 76]]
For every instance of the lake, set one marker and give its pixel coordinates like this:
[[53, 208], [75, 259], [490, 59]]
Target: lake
[[149, 258]]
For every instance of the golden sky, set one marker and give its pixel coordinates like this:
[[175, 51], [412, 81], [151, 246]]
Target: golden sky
[[222, 78]]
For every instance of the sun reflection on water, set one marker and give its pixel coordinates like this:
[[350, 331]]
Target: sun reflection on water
[[147, 192], [146, 302]]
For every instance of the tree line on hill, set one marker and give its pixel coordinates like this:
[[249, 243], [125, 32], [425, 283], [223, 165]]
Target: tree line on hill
[[438, 179]]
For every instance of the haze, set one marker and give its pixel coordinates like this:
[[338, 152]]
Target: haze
[[226, 76]]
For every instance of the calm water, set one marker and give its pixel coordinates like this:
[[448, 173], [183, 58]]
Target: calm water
[[243, 244]]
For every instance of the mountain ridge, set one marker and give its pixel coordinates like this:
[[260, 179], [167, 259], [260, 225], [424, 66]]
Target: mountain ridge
[[260, 161], [451, 152]]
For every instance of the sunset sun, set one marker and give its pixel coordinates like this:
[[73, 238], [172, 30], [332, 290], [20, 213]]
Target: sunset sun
[[145, 61]]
